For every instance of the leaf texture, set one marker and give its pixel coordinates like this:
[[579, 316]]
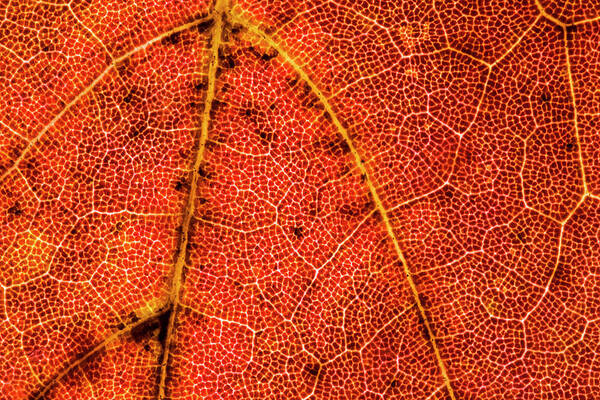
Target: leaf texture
[[323, 199]]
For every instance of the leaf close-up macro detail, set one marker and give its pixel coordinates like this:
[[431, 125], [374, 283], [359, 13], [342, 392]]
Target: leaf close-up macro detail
[[300, 199]]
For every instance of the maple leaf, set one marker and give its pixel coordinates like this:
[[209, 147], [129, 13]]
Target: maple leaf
[[324, 199]]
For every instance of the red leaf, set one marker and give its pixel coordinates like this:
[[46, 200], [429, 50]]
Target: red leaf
[[248, 199]]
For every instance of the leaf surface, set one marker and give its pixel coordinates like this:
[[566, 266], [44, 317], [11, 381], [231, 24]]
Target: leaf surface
[[299, 200]]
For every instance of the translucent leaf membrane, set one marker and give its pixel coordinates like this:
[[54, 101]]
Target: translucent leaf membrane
[[89, 211], [299, 200], [584, 44], [571, 11], [487, 29], [125, 370], [293, 288]]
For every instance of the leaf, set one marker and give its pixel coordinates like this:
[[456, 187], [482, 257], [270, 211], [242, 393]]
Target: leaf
[[250, 199]]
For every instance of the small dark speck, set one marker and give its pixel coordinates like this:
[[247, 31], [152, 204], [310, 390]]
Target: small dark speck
[[298, 232], [172, 38], [570, 146], [200, 86], [15, 210], [545, 97], [268, 57], [313, 369], [570, 30], [204, 25], [228, 62], [180, 184]]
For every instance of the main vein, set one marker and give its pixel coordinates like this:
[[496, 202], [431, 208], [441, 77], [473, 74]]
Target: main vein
[[175, 293], [360, 164]]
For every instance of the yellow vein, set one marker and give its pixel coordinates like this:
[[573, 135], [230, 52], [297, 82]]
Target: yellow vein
[[91, 86], [175, 293], [575, 116], [558, 22], [360, 163], [97, 349], [546, 15]]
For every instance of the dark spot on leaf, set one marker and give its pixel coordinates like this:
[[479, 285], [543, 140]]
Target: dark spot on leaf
[[298, 232], [163, 321], [204, 25], [306, 88], [202, 172], [173, 38], [121, 326], [266, 136], [235, 29], [255, 52], [269, 57], [393, 383], [145, 329], [228, 61], [570, 146], [571, 29], [133, 316], [377, 216], [200, 85], [216, 105], [545, 97], [147, 348], [313, 369], [181, 184], [15, 210]]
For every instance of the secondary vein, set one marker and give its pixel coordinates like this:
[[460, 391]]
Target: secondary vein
[[177, 279]]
